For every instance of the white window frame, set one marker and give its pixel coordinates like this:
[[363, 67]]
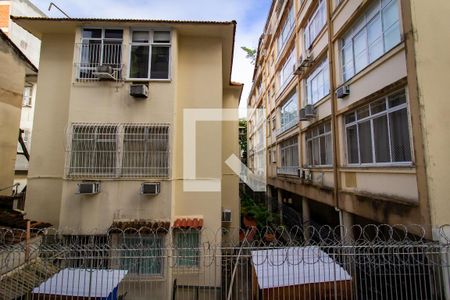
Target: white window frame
[[321, 70], [318, 17], [313, 135], [289, 147], [286, 32], [291, 100], [27, 99], [285, 75], [361, 27], [370, 119], [150, 44]]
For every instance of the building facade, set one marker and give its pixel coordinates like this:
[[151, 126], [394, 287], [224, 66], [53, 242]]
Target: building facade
[[92, 127], [351, 91]]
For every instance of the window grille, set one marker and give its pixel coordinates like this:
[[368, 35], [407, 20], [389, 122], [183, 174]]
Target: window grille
[[187, 252], [118, 150], [142, 254]]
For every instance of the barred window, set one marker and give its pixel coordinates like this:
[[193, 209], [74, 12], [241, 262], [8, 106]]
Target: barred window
[[119, 150], [142, 254], [187, 245], [378, 133], [319, 146]]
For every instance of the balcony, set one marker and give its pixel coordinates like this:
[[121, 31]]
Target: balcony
[[90, 56], [288, 124], [288, 170]]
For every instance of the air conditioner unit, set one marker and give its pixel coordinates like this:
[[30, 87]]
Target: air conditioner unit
[[307, 113], [307, 176], [342, 91], [139, 90], [226, 215], [104, 72], [88, 188], [150, 188]]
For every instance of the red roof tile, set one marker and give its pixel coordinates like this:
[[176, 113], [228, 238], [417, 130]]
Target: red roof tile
[[188, 223]]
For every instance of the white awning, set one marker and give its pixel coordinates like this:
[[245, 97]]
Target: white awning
[[295, 266], [96, 283]]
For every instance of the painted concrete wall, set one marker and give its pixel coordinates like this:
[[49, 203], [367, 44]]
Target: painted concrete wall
[[432, 61], [12, 79]]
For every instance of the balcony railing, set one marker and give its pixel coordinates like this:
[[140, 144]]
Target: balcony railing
[[92, 55], [288, 170], [287, 125]]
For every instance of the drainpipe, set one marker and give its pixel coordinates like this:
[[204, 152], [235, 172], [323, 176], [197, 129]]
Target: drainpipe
[[334, 122]]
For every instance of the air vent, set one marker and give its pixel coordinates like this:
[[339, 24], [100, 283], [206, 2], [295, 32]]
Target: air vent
[[226, 215], [150, 188], [343, 91], [139, 90], [88, 188]]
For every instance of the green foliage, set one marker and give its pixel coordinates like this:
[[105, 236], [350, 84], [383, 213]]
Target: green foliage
[[251, 54], [260, 213]]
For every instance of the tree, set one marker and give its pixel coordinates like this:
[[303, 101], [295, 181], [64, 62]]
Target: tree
[[243, 140], [251, 54]]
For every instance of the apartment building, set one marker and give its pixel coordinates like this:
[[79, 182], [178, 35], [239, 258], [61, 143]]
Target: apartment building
[[108, 126], [30, 46], [353, 93]]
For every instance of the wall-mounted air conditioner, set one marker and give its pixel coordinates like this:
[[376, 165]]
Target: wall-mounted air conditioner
[[139, 90], [88, 188], [226, 215], [104, 72], [307, 113], [342, 91], [150, 188]]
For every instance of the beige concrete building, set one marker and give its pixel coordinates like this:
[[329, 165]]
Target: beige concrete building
[[354, 93], [109, 118], [15, 67]]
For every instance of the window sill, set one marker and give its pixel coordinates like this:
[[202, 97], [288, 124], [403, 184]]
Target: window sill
[[391, 167], [147, 80]]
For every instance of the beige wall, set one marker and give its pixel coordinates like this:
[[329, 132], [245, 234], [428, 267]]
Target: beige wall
[[432, 61], [12, 79], [196, 82]]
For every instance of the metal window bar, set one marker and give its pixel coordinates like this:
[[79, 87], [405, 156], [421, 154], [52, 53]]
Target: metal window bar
[[95, 53], [379, 262], [118, 150]]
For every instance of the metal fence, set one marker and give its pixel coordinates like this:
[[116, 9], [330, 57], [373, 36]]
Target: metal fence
[[370, 262]]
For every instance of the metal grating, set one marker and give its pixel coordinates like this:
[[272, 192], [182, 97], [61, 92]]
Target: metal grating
[[118, 150]]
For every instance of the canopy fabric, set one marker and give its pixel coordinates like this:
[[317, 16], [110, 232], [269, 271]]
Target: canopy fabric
[[295, 266]]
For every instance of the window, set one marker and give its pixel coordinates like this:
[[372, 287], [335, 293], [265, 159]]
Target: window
[[289, 112], [100, 47], [286, 30], [142, 254], [315, 24], [187, 245], [318, 83], [374, 34], [289, 154], [27, 92], [150, 55], [378, 133], [287, 70], [119, 150], [319, 146]]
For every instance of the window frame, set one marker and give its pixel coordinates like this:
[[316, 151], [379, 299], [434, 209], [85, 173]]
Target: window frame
[[288, 146], [370, 119], [150, 44], [282, 42], [308, 42], [322, 68], [311, 137], [361, 25], [27, 99], [197, 251]]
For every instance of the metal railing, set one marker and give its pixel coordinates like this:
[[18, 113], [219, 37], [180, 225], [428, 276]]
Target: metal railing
[[370, 262], [287, 125], [90, 56], [287, 170]]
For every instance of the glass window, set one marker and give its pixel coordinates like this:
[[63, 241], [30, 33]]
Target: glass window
[[286, 30], [318, 83], [287, 70], [379, 134], [187, 245], [315, 24], [27, 92], [289, 153], [375, 33], [150, 55], [319, 145], [289, 112], [142, 254]]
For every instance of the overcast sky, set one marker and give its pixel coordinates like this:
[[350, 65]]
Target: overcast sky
[[249, 14]]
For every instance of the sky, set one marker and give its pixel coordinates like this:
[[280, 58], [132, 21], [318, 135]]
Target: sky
[[250, 16]]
